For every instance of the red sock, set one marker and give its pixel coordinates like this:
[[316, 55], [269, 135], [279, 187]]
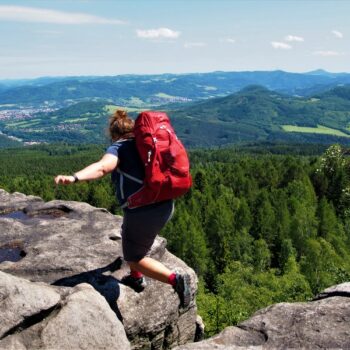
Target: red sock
[[136, 274], [172, 279]]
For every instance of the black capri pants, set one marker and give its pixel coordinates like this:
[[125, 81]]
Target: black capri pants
[[141, 226]]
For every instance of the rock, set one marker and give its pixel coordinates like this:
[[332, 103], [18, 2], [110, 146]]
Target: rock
[[35, 315], [341, 290], [231, 338], [15, 202], [20, 299], [65, 243], [323, 323], [61, 239], [200, 329], [156, 312]]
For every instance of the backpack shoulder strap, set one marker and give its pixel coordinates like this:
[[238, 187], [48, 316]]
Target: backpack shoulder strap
[[133, 178]]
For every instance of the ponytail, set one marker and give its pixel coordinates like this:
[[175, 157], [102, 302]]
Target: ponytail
[[120, 125]]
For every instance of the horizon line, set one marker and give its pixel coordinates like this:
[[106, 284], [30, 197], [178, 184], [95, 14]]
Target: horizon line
[[168, 73]]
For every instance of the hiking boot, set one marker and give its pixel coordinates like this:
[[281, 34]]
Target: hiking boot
[[138, 284], [183, 289]]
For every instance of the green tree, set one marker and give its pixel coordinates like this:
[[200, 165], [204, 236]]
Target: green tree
[[261, 255], [264, 219]]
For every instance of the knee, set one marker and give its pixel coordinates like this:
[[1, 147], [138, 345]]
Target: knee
[[133, 264]]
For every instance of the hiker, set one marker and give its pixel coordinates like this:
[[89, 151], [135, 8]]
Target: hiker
[[140, 225]]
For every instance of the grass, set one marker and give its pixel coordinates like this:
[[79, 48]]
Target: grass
[[320, 129], [15, 124], [75, 120], [22, 124], [135, 101]]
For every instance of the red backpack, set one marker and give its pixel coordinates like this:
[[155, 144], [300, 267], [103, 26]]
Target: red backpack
[[167, 168]]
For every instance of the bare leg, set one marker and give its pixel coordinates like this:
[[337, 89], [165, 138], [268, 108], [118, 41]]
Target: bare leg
[[155, 269], [151, 268]]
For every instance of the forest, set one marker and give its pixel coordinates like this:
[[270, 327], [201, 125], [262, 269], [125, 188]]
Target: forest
[[258, 228]]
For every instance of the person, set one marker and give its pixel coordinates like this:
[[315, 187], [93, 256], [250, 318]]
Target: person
[[140, 225]]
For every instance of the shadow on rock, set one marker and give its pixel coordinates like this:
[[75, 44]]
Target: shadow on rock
[[106, 285]]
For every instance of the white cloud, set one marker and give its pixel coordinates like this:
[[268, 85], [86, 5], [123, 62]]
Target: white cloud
[[197, 44], [279, 45], [40, 15], [228, 40], [294, 38], [158, 33], [326, 53], [337, 34]]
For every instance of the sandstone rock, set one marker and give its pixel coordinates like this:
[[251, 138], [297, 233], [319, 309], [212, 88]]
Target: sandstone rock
[[200, 329], [231, 338], [15, 202], [40, 316], [66, 243], [61, 239], [341, 290], [20, 299], [156, 312], [323, 323]]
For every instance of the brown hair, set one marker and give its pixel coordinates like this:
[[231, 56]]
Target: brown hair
[[120, 125]]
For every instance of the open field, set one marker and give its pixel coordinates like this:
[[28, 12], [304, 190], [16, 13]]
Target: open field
[[163, 95], [112, 108], [135, 101], [319, 130], [23, 124], [75, 120]]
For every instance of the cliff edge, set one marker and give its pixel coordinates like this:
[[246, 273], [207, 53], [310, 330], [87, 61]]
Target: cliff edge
[[70, 250], [60, 267]]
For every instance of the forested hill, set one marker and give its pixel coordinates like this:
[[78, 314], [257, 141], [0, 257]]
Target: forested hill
[[252, 114], [338, 92], [256, 113], [256, 229]]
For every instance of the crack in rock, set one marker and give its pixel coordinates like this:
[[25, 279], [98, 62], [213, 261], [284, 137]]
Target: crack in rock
[[332, 294], [30, 321], [253, 330]]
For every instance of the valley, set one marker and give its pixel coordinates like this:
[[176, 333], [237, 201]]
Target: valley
[[212, 109]]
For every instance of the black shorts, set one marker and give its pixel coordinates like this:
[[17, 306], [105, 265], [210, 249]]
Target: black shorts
[[141, 227]]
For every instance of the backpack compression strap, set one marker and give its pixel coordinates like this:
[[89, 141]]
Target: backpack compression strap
[[121, 184]]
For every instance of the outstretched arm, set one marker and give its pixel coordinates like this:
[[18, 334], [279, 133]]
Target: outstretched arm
[[92, 172]]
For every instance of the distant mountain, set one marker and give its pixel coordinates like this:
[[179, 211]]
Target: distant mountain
[[325, 73], [150, 90], [321, 72], [253, 114]]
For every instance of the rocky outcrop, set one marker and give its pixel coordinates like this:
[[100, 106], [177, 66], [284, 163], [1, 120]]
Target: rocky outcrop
[[65, 244], [60, 267], [39, 316], [322, 323]]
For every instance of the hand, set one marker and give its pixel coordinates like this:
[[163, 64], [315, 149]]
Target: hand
[[64, 179]]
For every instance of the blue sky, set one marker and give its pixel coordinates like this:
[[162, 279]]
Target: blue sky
[[76, 37]]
